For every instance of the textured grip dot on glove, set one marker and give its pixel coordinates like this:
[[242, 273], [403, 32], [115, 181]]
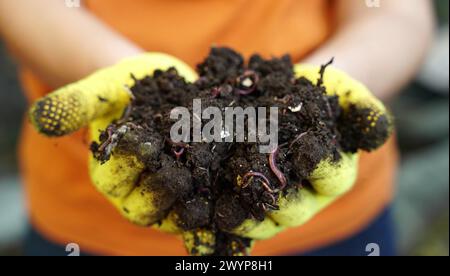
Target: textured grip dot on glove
[[56, 115]]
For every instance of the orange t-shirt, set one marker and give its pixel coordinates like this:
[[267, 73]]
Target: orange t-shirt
[[65, 207]]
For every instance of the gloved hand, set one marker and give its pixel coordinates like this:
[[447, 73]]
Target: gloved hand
[[96, 101], [329, 180], [102, 97]]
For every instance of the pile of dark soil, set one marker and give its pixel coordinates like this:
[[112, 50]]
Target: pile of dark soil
[[218, 185]]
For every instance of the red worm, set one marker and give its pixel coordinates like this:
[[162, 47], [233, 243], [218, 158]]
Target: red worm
[[265, 183], [215, 92], [248, 90], [262, 206], [298, 138], [275, 170], [272, 198], [178, 153], [267, 188], [126, 114], [273, 207], [245, 92], [178, 144], [108, 140]]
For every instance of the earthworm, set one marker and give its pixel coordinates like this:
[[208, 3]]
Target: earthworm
[[108, 140], [182, 146], [275, 170], [266, 182], [300, 136], [248, 75], [178, 153], [272, 198], [266, 187], [126, 114], [215, 92], [262, 206], [273, 207]]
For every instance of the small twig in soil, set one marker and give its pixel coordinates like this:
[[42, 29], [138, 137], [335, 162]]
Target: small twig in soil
[[322, 71], [275, 170], [133, 77]]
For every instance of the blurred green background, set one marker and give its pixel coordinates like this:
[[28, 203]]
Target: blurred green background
[[421, 207]]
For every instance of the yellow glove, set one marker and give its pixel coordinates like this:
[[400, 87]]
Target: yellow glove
[[329, 180], [102, 97], [96, 101]]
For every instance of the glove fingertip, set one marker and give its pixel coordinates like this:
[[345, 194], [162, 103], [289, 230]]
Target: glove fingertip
[[199, 242], [56, 116], [334, 178], [366, 128]]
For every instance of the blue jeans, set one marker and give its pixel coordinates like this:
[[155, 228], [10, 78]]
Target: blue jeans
[[379, 232]]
